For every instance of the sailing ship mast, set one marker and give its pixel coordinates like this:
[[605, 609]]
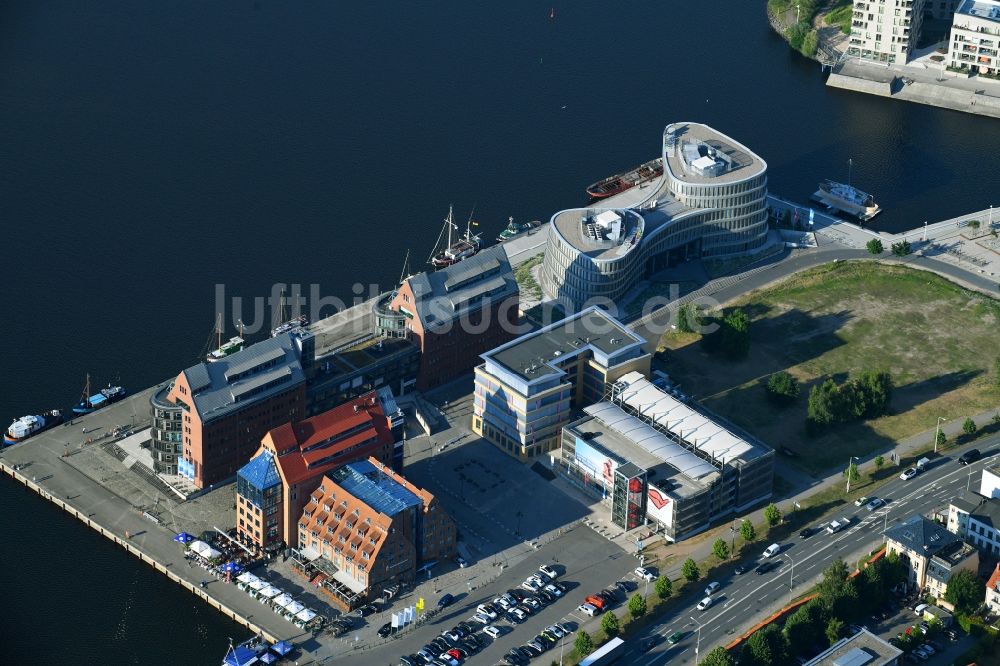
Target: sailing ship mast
[[449, 224]]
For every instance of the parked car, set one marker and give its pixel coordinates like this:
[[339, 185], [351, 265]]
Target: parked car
[[488, 610], [460, 561], [908, 474], [712, 587], [533, 603], [548, 571], [445, 601], [588, 609], [874, 503], [626, 586], [705, 604], [385, 630], [645, 574], [545, 596], [365, 611], [491, 631], [555, 630], [553, 590], [970, 456]]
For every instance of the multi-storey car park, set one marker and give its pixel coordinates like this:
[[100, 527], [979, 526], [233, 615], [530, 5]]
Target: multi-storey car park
[[710, 201]]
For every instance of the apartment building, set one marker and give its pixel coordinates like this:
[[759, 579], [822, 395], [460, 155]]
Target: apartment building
[[975, 36], [931, 553], [885, 30]]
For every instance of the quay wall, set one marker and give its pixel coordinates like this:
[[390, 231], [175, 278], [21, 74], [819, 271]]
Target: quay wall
[[137, 552]]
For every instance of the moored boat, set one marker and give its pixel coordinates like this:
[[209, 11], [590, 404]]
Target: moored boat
[[465, 247], [234, 345], [106, 396], [515, 229], [847, 199], [620, 182], [27, 426]]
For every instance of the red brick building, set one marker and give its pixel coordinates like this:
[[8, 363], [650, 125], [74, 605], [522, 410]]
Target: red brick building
[[374, 529], [273, 488], [228, 405], [457, 313]]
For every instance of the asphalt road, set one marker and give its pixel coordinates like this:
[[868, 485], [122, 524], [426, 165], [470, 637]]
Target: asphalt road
[[731, 287], [744, 600]]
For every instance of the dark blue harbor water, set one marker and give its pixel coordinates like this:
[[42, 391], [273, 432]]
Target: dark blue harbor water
[[149, 151]]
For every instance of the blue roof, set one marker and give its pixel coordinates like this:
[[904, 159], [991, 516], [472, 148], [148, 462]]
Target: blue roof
[[375, 488], [261, 472]]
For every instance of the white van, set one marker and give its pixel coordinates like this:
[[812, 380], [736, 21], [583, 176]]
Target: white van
[[772, 550]]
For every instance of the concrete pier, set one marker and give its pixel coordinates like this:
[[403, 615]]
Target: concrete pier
[[64, 465]]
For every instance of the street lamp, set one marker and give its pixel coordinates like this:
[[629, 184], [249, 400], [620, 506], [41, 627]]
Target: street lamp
[[937, 429], [849, 463], [732, 545], [697, 645]]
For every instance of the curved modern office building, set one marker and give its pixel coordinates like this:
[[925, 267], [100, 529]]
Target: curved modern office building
[[711, 201]]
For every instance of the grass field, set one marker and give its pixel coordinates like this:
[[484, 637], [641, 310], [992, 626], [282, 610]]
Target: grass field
[[938, 340]]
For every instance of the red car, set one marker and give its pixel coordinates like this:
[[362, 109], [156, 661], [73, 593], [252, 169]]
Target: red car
[[454, 654]]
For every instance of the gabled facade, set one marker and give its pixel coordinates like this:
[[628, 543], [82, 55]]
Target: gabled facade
[[454, 314], [374, 529], [273, 488], [227, 406], [931, 553]]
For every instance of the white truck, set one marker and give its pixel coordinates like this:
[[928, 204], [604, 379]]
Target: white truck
[[837, 525]]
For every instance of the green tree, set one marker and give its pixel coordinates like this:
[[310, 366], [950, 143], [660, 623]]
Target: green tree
[[820, 408], [609, 623], [772, 514], [875, 246], [852, 472], [996, 371], [664, 587], [765, 647], [690, 570], [965, 591], [584, 644], [686, 318], [996, 418], [875, 388], [879, 461], [721, 549], [637, 606], [969, 426], [735, 334], [804, 628], [940, 438], [834, 577], [797, 34], [782, 388], [834, 630], [747, 531], [718, 657], [902, 248], [809, 44]]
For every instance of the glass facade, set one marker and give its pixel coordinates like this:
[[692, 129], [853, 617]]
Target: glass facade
[[166, 432]]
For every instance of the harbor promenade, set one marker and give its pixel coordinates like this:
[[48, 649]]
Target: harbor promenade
[[67, 467], [78, 467]]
